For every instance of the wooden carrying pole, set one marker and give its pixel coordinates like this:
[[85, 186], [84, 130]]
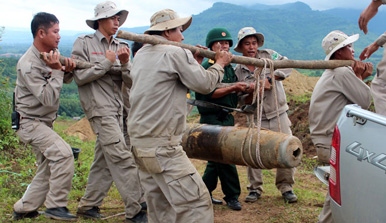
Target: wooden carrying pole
[[79, 64], [302, 64]]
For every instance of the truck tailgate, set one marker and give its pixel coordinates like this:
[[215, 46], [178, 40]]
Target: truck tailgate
[[362, 167]]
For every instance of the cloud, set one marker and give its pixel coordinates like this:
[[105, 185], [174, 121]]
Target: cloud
[[73, 13]]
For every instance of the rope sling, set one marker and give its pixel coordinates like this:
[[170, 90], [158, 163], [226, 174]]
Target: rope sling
[[258, 100]]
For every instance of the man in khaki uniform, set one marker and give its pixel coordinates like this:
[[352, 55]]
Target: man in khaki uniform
[[135, 46], [37, 91], [274, 114], [378, 84], [100, 93], [161, 76], [335, 89]]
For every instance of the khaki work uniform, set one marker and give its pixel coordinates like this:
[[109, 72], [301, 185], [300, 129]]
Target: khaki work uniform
[[378, 84], [274, 118], [100, 93], [335, 89], [161, 75], [126, 109], [37, 100]]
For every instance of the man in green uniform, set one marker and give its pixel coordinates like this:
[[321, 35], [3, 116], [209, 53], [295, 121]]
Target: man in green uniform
[[227, 96]]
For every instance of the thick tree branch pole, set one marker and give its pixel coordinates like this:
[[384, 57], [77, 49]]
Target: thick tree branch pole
[[302, 64], [79, 64]]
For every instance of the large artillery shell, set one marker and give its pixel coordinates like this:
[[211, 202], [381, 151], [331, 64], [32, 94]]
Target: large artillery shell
[[238, 145]]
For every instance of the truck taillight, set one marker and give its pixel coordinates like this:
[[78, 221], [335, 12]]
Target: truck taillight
[[334, 178]]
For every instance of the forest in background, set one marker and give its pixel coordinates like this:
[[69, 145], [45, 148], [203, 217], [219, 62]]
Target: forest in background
[[293, 29]]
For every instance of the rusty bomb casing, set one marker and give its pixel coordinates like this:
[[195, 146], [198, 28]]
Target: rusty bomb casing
[[238, 145]]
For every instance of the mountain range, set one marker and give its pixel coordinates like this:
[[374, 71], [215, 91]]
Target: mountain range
[[293, 29]]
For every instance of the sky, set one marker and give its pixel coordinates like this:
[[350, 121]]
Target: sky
[[72, 14]]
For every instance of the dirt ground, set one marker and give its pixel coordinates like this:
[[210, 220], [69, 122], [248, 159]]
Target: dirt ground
[[270, 208]]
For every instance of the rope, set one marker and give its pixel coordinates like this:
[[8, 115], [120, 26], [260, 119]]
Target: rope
[[258, 99], [275, 95]]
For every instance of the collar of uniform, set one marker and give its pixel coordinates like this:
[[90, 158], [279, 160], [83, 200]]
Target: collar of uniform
[[37, 53], [100, 37], [244, 67]]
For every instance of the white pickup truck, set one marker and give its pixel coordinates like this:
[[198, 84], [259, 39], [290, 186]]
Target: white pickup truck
[[357, 172]]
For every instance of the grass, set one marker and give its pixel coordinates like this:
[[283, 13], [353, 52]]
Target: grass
[[17, 168]]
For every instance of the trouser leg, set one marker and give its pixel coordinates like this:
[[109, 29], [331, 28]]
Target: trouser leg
[[210, 176], [171, 180], [96, 188], [284, 176], [325, 215], [52, 182], [36, 192], [255, 178], [120, 162], [284, 179], [229, 179], [128, 144], [158, 207]]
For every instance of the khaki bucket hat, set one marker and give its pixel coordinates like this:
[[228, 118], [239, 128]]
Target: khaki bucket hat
[[336, 40], [168, 19], [107, 9], [248, 31]]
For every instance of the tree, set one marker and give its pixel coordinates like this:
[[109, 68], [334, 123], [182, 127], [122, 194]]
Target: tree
[[8, 139]]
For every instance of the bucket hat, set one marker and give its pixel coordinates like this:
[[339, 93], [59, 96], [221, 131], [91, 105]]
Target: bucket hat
[[335, 40], [107, 9], [248, 31], [168, 19]]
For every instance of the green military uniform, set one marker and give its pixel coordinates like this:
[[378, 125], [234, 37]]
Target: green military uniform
[[227, 173]]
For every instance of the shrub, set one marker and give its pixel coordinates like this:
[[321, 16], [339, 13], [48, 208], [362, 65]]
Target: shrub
[[8, 139]]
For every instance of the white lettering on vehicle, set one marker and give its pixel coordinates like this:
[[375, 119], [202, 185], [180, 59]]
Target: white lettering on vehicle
[[361, 154]]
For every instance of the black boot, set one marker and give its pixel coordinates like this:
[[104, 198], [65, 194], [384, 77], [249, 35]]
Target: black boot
[[60, 213]]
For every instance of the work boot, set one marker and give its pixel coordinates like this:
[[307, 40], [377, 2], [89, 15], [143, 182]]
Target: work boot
[[290, 197], [234, 204], [93, 213], [141, 217], [19, 215], [215, 201], [252, 197], [60, 213]]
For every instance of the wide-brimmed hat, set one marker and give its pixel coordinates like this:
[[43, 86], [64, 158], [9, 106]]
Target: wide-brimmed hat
[[168, 19], [248, 31], [107, 9], [336, 40]]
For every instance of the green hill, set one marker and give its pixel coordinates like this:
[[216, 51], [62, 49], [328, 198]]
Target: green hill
[[294, 30]]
